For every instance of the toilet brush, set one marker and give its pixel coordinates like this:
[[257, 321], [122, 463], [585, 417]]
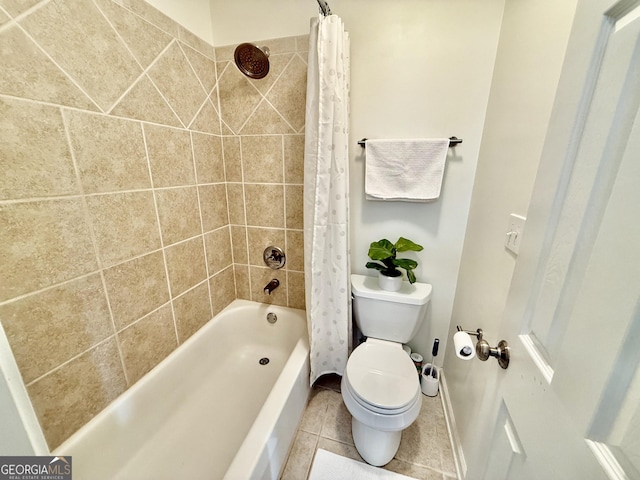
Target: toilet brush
[[429, 382], [430, 369]]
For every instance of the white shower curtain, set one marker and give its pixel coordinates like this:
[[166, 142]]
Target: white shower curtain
[[326, 197]]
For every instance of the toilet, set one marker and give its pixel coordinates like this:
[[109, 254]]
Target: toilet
[[380, 386]]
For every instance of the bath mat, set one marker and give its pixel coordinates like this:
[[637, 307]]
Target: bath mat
[[327, 465]]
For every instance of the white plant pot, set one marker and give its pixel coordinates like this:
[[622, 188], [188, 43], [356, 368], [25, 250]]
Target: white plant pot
[[390, 284]]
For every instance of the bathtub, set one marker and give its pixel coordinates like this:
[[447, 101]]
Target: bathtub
[[211, 409]]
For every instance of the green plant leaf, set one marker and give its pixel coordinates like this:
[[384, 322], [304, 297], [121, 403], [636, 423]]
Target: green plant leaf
[[391, 271], [384, 251], [405, 245], [406, 263], [381, 250], [375, 265]]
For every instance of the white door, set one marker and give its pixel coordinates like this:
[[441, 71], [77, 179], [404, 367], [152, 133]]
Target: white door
[[569, 402]]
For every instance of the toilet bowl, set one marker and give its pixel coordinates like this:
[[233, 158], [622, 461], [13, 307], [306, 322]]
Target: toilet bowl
[[380, 385], [381, 390]]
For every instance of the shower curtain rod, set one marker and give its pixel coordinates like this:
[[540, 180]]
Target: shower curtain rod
[[324, 7]]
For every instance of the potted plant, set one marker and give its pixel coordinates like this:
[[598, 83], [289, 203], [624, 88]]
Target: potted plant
[[390, 278]]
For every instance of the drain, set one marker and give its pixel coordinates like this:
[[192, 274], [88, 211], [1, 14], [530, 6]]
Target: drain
[[263, 361]]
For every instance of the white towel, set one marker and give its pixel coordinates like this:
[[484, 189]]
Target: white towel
[[405, 170]]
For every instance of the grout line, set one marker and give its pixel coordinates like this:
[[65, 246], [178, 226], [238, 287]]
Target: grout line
[[143, 74], [56, 64], [142, 68], [22, 15], [284, 220], [313, 456], [190, 126], [164, 253], [154, 24], [9, 23], [233, 134], [273, 86], [264, 99], [295, 131], [94, 240], [181, 45], [115, 30], [100, 194], [47, 288], [114, 335], [280, 75], [105, 114], [226, 193], [244, 211], [158, 89], [204, 243], [66, 362], [216, 88], [96, 272], [253, 111], [190, 289], [117, 101], [320, 435]]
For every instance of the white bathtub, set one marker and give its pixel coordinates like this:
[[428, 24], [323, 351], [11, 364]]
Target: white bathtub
[[209, 410]]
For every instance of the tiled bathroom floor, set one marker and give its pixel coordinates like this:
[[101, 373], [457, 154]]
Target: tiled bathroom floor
[[425, 450]]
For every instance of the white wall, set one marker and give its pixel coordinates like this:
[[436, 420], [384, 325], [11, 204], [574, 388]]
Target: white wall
[[531, 50], [421, 69], [194, 15], [418, 69], [248, 20]]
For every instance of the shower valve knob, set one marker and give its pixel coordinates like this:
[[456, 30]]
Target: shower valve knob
[[274, 257]]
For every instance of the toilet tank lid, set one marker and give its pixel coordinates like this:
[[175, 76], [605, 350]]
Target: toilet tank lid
[[411, 294]]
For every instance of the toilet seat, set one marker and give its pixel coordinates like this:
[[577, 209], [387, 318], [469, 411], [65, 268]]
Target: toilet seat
[[382, 377]]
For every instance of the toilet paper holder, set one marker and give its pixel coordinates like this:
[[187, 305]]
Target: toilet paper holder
[[484, 351]]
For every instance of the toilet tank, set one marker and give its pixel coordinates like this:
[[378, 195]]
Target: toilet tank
[[393, 316]]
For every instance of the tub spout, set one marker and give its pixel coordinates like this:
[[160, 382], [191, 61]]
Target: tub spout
[[271, 286]]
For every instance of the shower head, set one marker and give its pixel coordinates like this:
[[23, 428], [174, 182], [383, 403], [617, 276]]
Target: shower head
[[252, 60]]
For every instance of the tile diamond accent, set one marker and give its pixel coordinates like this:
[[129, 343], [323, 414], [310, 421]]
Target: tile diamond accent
[[27, 72], [174, 77], [143, 102], [204, 67], [207, 120], [289, 93], [77, 36], [144, 40], [266, 119], [238, 98], [277, 64]]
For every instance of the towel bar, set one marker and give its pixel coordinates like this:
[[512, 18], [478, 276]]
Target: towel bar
[[453, 141]]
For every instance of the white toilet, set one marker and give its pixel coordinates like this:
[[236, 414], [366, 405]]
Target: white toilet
[[380, 385]]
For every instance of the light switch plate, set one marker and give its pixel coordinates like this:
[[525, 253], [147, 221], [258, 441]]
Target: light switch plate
[[515, 230]]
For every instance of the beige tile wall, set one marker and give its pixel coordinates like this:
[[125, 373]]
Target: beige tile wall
[[118, 235], [263, 144]]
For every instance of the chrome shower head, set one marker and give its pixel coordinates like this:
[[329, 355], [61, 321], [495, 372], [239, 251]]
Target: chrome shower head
[[252, 60]]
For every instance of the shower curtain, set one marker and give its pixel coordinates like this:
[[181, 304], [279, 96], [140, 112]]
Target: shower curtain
[[326, 197]]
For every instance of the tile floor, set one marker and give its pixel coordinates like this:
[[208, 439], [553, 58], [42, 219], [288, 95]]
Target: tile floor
[[425, 450]]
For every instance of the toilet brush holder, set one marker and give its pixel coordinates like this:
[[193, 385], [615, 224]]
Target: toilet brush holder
[[429, 380]]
